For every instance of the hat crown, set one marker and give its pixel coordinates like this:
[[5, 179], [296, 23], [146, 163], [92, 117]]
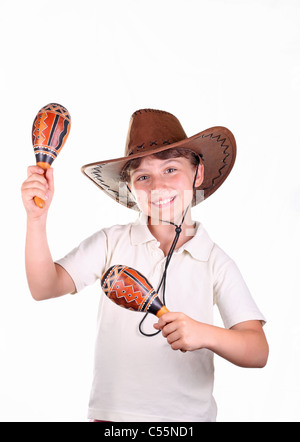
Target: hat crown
[[150, 129]]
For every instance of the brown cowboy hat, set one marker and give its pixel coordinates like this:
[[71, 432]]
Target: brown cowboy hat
[[152, 131]]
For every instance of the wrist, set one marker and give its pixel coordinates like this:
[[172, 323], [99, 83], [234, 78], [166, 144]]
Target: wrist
[[34, 223], [209, 337]]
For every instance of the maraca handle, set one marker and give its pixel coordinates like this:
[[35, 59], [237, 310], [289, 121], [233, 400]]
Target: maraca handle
[[162, 311], [39, 201]]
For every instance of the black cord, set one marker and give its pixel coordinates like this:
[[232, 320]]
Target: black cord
[[178, 230], [164, 276]]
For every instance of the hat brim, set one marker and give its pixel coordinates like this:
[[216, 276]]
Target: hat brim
[[216, 146]]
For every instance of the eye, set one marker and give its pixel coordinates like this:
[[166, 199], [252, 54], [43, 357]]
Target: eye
[[170, 170], [142, 178]]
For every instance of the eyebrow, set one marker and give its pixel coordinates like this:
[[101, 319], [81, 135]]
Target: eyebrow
[[144, 170]]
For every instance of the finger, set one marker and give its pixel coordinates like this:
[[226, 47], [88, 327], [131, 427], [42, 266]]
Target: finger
[[168, 317], [30, 193], [35, 184], [173, 337], [178, 345], [34, 169], [169, 328], [31, 188], [50, 179], [160, 324], [36, 178]]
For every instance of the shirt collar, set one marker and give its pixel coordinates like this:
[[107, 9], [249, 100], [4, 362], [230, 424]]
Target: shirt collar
[[140, 233], [199, 247]]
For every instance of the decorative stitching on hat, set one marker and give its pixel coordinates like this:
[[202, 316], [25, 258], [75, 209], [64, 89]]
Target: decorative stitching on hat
[[96, 172], [226, 155], [151, 143], [97, 176], [145, 111]]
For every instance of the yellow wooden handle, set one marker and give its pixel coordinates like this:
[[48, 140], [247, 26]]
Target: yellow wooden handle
[[162, 311], [39, 201]]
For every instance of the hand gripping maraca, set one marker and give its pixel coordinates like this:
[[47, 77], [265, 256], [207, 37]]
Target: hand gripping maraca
[[50, 130], [130, 289]]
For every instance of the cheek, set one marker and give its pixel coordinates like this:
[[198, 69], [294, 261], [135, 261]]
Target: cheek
[[184, 184], [185, 190], [141, 196]]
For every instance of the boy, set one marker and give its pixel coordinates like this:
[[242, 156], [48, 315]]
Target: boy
[[139, 374]]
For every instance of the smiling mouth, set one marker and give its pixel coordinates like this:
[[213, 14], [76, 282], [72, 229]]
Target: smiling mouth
[[163, 203]]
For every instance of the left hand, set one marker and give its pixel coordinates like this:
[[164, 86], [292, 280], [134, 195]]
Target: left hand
[[244, 344], [181, 331]]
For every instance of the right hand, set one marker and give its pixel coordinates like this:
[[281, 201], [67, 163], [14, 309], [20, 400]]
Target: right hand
[[38, 183]]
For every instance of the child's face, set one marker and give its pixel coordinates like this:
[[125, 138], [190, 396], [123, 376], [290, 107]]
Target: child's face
[[164, 188]]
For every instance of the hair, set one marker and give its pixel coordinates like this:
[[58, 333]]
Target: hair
[[131, 165]]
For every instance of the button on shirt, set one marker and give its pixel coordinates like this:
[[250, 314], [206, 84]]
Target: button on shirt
[[138, 378]]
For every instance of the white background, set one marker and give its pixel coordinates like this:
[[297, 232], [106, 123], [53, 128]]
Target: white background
[[210, 62]]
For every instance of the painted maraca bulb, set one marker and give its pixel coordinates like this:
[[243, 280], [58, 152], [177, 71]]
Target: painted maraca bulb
[[130, 289], [50, 130]]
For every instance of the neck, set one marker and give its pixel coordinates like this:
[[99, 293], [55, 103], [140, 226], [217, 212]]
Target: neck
[[164, 232]]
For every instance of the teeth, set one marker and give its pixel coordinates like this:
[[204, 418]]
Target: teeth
[[161, 203]]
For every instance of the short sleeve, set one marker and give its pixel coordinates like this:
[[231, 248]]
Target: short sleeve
[[231, 293], [85, 264]]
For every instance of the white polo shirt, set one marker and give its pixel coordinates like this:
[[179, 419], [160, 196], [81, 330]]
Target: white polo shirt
[[138, 378]]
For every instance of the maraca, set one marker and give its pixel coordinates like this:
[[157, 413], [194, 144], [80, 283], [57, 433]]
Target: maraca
[[50, 130], [130, 289]]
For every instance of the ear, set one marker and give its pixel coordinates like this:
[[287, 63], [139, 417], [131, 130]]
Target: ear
[[200, 176]]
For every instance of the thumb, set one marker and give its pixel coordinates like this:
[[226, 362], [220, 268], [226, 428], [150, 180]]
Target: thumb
[[50, 179]]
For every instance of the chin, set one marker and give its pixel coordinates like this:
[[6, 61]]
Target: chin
[[158, 216]]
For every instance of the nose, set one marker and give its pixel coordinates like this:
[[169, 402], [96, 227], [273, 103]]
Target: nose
[[159, 189], [158, 184]]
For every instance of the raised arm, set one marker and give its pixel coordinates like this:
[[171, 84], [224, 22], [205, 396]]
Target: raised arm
[[45, 278]]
